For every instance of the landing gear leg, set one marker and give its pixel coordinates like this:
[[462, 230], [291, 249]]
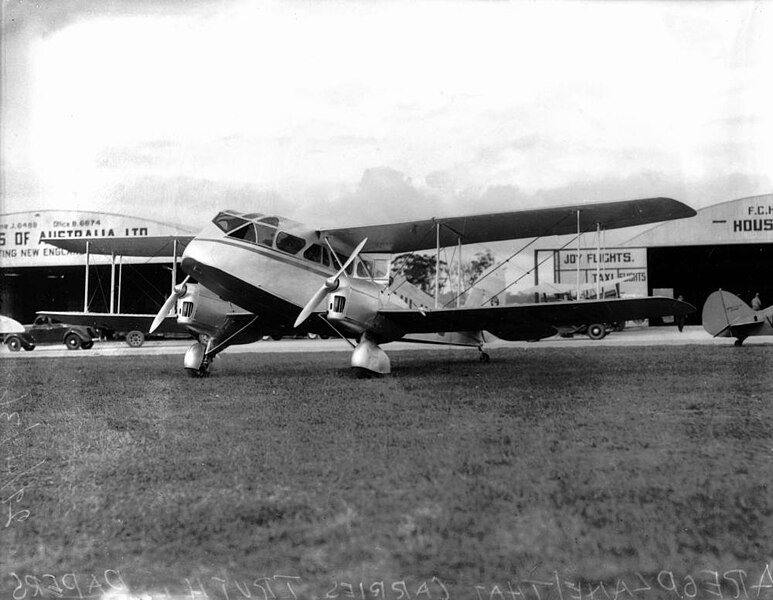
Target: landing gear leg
[[484, 357], [197, 361], [369, 358]]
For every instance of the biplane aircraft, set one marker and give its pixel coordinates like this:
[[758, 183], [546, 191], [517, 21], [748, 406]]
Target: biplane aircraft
[[726, 315], [251, 275]]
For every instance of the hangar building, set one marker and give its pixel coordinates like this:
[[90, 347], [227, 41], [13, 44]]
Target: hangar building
[[35, 275], [727, 245]]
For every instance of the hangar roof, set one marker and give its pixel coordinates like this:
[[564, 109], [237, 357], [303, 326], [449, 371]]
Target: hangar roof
[[742, 221]]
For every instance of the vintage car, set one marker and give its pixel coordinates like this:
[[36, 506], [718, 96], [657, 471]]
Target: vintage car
[[47, 330]]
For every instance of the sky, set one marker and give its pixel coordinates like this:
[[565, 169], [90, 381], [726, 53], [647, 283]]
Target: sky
[[343, 113]]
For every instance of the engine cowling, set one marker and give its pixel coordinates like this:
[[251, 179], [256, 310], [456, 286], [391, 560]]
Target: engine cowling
[[201, 310]]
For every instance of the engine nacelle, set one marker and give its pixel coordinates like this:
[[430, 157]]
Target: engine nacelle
[[354, 305], [201, 310]]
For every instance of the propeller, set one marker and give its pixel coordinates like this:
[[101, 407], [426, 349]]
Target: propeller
[[178, 291], [331, 283]]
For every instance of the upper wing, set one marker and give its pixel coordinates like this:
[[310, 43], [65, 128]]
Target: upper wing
[[124, 246], [422, 235], [534, 321]]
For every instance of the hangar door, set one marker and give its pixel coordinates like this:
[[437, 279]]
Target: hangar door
[[696, 271]]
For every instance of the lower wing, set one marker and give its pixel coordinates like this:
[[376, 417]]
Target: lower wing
[[534, 321]]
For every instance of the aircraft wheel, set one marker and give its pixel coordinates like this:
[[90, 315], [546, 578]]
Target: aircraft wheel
[[362, 373], [14, 344], [738, 342], [596, 331], [72, 341], [200, 372], [276, 338], [484, 357], [135, 338]]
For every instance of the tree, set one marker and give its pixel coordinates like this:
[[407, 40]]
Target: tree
[[475, 268], [419, 269]]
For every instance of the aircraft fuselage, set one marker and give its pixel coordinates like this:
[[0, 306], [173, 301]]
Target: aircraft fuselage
[[272, 266]]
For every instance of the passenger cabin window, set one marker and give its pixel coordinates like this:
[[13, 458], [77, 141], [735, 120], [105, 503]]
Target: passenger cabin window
[[313, 253], [264, 234], [380, 268], [363, 269], [375, 268], [289, 243], [342, 258], [318, 254]]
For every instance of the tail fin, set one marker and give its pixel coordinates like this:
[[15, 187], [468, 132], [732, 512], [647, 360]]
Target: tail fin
[[723, 310]]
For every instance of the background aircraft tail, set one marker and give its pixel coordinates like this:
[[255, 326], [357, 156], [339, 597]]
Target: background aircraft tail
[[724, 310]]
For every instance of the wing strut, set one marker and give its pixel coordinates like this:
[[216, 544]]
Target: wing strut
[[86, 284], [437, 263], [579, 236]]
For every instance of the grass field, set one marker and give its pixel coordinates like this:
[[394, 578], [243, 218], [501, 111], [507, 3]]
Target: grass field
[[549, 473]]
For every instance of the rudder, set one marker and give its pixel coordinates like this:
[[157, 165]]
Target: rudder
[[723, 309]]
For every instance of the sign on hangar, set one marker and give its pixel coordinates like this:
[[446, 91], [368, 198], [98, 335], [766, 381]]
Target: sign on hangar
[[24, 235], [744, 221]]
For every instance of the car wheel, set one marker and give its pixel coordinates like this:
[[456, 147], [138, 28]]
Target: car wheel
[[14, 344], [135, 338], [72, 341], [87, 345], [596, 331]]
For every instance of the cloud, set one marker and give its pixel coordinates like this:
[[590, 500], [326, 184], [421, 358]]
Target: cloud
[[383, 195], [312, 109]]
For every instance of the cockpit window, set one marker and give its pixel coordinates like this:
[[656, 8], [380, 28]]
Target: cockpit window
[[246, 233], [227, 222], [273, 221], [289, 243]]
